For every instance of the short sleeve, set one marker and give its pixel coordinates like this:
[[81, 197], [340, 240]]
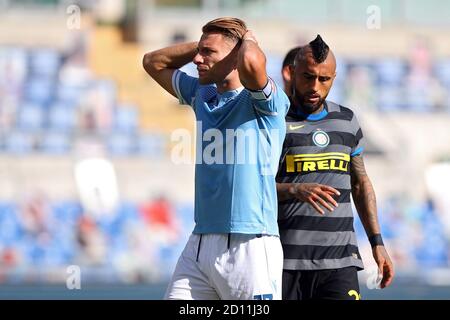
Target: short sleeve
[[358, 147], [271, 100], [185, 87]]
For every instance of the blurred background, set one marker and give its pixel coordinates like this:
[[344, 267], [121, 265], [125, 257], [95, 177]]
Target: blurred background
[[86, 176]]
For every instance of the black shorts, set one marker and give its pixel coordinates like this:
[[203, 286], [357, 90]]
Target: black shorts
[[333, 284]]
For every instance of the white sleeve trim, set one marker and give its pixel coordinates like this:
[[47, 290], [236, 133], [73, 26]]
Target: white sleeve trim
[[176, 85], [265, 93]]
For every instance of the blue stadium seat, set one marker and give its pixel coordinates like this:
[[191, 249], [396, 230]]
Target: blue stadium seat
[[67, 212], [152, 144], [121, 144], [10, 230], [433, 251], [15, 60], [62, 119], [341, 69], [126, 119], [14, 54], [389, 98], [18, 142], [55, 254], [367, 64], [418, 99], [391, 71], [185, 212], [55, 143], [30, 118], [45, 62], [69, 95], [106, 88], [168, 257], [39, 91], [442, 70], [127, 211]]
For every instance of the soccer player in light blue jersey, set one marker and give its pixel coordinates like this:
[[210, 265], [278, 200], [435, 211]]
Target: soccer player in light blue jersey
[[234, 251]]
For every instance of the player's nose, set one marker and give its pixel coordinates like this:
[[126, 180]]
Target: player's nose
[[315, 86], [197, 59]]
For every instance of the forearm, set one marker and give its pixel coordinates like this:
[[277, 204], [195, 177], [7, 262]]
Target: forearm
[[283, 192], [251, 65], [172, 57], [365, 203]]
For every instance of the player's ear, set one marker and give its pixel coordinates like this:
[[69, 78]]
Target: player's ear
[[286, 73]]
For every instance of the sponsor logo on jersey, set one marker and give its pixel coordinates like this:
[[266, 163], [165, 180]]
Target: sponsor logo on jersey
[[321, 138], [317, 162]]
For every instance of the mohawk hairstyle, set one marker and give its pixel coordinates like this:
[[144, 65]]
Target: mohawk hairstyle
[[319, 49]]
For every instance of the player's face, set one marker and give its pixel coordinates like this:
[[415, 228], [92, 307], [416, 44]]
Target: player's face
[[312, 82], [216, 58]]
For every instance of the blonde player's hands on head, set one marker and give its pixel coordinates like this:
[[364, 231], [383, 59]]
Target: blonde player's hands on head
[[385, 265], [315, 194], [249, 35]]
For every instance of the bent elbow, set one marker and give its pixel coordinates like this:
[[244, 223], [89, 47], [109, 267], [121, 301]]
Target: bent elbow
[[149, 63]]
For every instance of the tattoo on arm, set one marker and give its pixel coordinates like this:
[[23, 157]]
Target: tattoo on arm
[[364, 196]]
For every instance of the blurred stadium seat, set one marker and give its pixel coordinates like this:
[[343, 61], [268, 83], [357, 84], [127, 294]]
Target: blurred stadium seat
[[391, 71], [121, 144], [56, 143], [126, 119], [39, 90], [45, 62], [31, 118], [20, 143], [62, 119]]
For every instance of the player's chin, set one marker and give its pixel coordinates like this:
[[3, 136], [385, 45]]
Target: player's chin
[[312, 107], [204, 80]]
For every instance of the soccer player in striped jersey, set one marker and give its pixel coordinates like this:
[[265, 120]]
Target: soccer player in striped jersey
[[321, 166], [227, 255]]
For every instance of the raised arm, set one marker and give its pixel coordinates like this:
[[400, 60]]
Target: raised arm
[[251, 63], [162, 63], [365, 203]]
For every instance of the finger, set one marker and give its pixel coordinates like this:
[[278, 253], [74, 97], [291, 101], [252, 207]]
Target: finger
[[315, 206], [331, 189], [331, 193], [323, 203], [388, 275], [329, 199], [388, 281], [384, 272], [380, 266]]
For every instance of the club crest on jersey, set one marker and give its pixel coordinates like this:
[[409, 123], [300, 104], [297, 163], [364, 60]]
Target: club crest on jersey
[[321, 138]]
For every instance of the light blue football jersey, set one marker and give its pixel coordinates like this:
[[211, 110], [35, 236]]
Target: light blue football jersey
[[240, 134]]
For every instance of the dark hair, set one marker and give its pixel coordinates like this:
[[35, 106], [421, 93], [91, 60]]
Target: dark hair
[[290, 56], [232, 28], [319, 49]]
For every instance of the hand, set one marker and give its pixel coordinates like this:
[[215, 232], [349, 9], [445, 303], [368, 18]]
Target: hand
[[249, 36], [314, 193], [385, 266]]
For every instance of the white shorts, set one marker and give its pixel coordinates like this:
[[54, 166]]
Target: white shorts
[[229, 267]]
